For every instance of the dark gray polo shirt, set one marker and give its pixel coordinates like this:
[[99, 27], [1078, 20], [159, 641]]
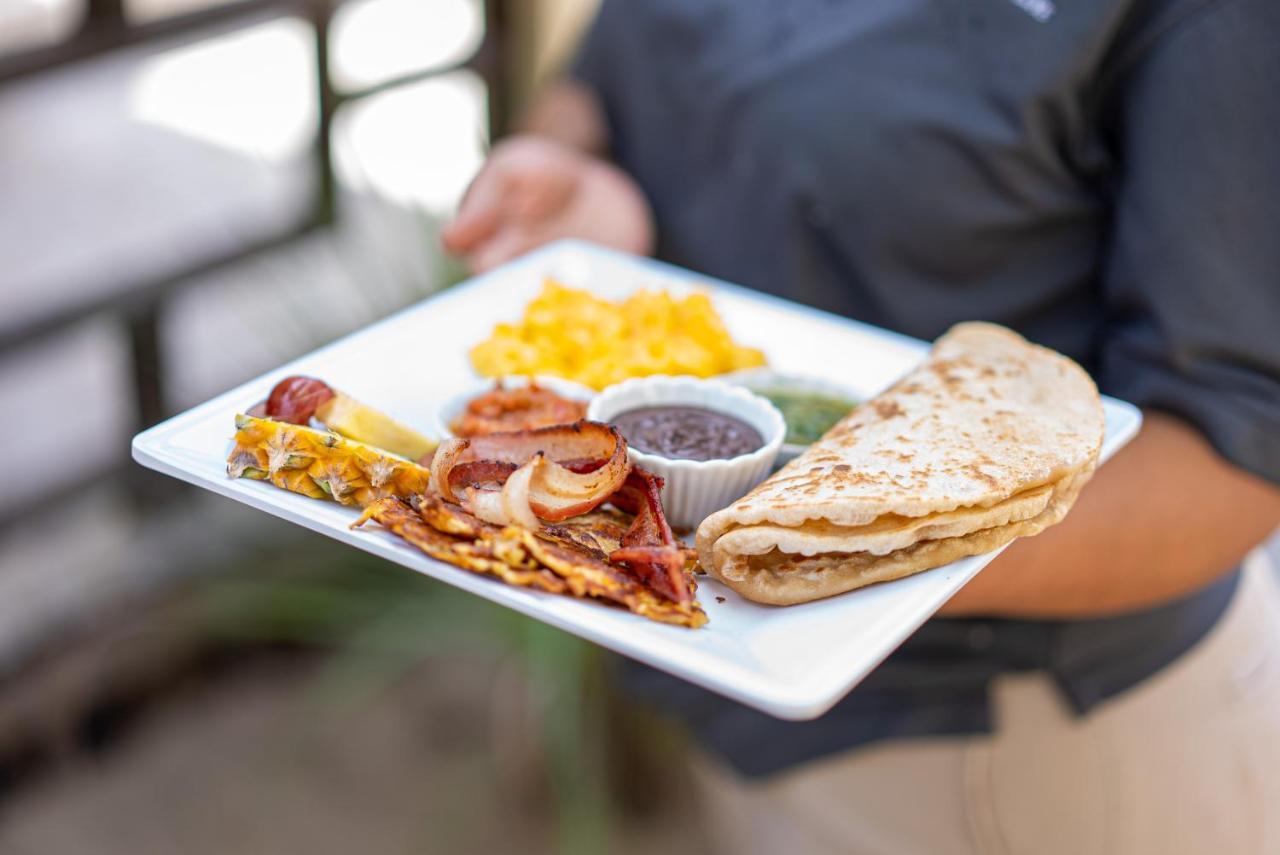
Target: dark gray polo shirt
[[1101, 175]]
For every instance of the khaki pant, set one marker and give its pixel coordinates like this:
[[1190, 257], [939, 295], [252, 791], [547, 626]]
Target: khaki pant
[[1186, 762]]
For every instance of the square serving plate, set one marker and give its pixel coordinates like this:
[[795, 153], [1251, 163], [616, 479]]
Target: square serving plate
[[793, 662]]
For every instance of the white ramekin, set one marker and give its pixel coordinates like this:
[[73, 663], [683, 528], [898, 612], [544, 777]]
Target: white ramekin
[[454, 406], [696, 488]]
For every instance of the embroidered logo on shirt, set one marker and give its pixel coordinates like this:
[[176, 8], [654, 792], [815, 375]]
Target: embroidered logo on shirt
[[1041, 10]]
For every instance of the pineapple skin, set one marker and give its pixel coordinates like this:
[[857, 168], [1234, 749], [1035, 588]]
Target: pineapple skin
[[319, 464]]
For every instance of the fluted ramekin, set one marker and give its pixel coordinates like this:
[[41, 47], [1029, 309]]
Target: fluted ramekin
[[696, 488]]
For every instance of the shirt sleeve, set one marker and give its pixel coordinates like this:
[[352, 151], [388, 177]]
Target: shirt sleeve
[[1192, 276]]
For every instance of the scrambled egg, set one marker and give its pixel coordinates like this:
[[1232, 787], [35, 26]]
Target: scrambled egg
[[579, 336]]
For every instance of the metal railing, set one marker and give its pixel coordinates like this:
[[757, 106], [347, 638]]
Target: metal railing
[[140, 307]]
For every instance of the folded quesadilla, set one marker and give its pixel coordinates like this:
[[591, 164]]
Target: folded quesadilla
[[990, 439]]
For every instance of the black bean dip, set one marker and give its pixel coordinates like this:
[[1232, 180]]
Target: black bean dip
[[687, 433]]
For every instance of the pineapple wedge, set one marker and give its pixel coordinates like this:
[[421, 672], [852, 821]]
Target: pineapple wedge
[[354, 420], [319, 464]]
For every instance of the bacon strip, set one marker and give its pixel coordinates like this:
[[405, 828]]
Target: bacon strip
[[442, 465], [596, 454], [550, 475], [517, 493], [477, 555], [480, 472], [649, 548], [447, 532], [582, 440]]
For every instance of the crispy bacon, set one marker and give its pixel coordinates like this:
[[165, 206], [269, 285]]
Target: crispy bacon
[[501, 410], [517, 493], [480, 472], [296, 399], [579, 443], [596, 454], [442, 464], [566, 563], [649, 548], [464, 548], [549, 475], [659, 567]]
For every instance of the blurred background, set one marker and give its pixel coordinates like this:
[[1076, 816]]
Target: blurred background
[[192, 192]]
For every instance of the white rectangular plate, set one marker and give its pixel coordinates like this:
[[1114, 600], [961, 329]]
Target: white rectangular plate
[[793, 662]]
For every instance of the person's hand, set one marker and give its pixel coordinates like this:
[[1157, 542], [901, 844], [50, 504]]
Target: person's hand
[[533, 190]]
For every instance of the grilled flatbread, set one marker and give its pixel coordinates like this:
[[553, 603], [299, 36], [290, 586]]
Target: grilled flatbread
[[990, 439]]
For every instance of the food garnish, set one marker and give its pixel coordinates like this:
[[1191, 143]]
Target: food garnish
[[576, 335], [502, 409], [300, 399], [687, 433], [808, 414], [296, 399]]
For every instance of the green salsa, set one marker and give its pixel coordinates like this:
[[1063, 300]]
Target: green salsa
[[808, 414]]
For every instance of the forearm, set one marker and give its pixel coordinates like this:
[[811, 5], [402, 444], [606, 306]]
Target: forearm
[[1163, 518], [569, 113]]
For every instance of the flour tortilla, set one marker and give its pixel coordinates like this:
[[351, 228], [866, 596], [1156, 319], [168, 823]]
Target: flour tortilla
[[991, 438]]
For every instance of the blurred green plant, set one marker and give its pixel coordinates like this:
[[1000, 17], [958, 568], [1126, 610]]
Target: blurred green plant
[[378, 622]]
